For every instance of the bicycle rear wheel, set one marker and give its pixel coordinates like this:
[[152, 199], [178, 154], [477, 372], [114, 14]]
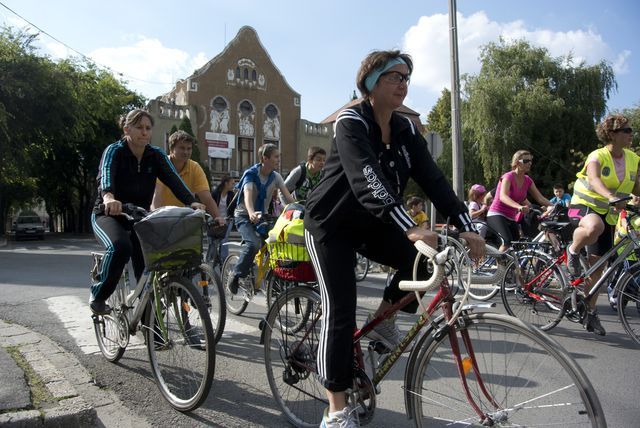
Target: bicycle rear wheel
[[112, 330], [236, 303], [210, 283], [628, 302], [531, 380], [538, 298], [181, 344], [290, 355]]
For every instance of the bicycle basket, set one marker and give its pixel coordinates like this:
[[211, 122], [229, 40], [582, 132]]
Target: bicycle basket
[[291, 262], [171, 238]]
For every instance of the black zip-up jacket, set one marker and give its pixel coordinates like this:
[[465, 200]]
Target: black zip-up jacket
[[364, 177], [134, 182]]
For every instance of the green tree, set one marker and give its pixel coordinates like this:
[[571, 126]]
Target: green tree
[[524, 99], [55, 120]]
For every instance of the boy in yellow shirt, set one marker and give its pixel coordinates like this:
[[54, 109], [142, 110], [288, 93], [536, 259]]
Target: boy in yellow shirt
[[416, 211]]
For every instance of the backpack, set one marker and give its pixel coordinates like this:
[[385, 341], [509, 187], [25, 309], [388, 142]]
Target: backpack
[[303, 175]]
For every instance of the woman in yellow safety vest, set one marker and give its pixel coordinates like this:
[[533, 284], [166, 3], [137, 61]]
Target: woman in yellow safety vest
[[609, 174]]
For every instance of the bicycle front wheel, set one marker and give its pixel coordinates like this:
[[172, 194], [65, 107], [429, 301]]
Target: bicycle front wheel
[[628, 302], [180, 342], [290, 355], [362, 267], [516, 375], [537, 297]]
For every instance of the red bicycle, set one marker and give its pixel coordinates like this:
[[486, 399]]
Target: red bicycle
[[465, 367]]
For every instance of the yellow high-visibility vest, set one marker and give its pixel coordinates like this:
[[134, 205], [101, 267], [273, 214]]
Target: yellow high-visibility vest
[[584, 194]]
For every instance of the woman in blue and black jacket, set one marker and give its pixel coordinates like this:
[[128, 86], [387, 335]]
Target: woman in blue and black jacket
[[127, 174]]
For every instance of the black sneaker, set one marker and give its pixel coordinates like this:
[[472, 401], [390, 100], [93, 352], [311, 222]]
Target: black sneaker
[[233, 283], [592, 323], [100, 307], [573, 264]]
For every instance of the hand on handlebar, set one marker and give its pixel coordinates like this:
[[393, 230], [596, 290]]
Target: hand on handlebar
[[255, 216], [112, 206], [418, 233]]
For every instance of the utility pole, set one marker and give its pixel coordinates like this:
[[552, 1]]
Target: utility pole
[[456, 138]]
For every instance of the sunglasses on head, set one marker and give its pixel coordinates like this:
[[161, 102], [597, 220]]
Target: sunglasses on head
[[525, 161], [624, 130]]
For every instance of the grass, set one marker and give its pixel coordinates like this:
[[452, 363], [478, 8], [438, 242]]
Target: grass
[[40, 395]]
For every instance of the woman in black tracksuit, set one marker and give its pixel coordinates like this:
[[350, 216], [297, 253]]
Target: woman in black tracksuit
[[358, 206], [127, 174]]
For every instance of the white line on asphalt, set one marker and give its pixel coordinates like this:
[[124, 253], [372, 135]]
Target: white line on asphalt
[[75, 315]]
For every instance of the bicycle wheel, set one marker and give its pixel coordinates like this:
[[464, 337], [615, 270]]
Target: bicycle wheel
[[485, 283], [112, 330], [210, 283], [628, 302], [290, 357], [180, 343], [275, 287], [538, 297], [362, 267], [528, 379], [236, 303]]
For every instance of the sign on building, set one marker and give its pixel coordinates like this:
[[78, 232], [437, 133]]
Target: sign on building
[[220, 145]]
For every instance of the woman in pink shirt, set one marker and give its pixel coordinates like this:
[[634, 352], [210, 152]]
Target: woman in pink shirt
[[511, 198]]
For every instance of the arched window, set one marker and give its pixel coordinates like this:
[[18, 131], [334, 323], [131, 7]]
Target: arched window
[[246, 108], [271, 111], [254, 75], [219, 104], [237, 73], [246, 74]]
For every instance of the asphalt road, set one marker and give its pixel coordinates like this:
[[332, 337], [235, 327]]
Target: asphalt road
[[37, 277]]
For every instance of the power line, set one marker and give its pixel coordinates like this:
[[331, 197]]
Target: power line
[[80, 53]]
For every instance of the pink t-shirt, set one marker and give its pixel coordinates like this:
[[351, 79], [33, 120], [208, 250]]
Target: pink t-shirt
[[518, 194]]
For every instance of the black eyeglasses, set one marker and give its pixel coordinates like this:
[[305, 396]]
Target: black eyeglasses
[[396, 77], [624, 130], [525, 161]]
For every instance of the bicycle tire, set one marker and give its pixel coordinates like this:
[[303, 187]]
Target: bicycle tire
[[236, 303], [628, 302], [112, 331], [486, 268], [275, 287], [183, 363], [530, 377], [290, 357], [540, 304], [362, 267], [214, 298]]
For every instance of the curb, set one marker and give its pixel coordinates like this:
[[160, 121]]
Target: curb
[[44, 357]]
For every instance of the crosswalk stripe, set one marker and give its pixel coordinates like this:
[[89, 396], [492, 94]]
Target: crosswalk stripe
[[75, 316]]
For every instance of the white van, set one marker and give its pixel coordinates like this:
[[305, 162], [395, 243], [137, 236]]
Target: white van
[[28, 226]]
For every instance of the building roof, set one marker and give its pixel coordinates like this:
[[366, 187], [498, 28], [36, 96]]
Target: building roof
[[413, 115]]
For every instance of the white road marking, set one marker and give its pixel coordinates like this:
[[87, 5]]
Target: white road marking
[[75, 315]]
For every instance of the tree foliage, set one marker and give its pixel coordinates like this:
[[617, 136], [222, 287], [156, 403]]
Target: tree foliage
[[524, 99], [56, 118]]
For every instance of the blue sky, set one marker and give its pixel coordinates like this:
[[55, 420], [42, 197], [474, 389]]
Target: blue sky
[[318, 45]]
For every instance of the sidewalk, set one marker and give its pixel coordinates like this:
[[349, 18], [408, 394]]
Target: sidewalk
[[44, 385]]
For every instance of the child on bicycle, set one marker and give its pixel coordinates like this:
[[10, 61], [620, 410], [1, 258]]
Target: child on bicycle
[[256, 189], [357, 206]]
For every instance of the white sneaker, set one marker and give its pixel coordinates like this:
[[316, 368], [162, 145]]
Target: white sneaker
[[345, 418], [386, 332]]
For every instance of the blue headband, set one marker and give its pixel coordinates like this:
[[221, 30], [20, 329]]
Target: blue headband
[[373, 77]]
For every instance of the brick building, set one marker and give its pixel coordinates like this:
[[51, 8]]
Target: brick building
[[236, 102]]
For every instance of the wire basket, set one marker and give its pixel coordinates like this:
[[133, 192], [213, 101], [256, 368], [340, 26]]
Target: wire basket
[[291, 262]]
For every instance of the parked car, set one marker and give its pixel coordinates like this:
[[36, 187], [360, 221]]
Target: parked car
[[28, 226]]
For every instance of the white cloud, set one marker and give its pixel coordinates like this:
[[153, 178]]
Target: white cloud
[[428, 44], [150, 67]]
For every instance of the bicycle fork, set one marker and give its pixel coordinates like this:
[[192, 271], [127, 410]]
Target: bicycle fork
[[464, 366]]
